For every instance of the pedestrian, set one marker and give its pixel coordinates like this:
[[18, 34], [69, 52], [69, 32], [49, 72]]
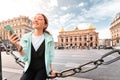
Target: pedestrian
[[36, 50]]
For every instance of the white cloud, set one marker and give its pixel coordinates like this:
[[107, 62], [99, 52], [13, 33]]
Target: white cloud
[[100, 11], [81, 4], [49, 6], [53, 3], [14, 8], [64, 8], [66, 17]]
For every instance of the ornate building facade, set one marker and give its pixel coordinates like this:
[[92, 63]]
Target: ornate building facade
[[115, 30], [78, 38], [21, 25]]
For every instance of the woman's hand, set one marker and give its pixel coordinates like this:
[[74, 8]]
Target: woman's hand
[[53, 73], [13, 38]]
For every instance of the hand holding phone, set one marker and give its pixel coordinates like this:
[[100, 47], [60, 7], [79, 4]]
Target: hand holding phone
[[9, 28], [13, 38]]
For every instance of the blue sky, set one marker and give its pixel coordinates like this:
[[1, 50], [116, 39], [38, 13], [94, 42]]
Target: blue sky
[[65, 13]]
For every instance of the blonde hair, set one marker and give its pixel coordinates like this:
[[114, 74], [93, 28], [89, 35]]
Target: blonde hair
[[46, 22]]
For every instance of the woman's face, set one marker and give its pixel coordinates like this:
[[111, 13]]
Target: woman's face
[[38, 22]]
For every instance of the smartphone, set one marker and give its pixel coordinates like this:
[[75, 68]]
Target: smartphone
[[8, 27]]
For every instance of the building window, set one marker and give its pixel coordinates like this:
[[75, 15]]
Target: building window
[[85, 44], [67, 40], [61, 40], [75, 39], [91, 38]]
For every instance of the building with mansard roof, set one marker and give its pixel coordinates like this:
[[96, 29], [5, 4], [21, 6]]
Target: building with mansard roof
[[78, 38], [21, 25], [115, 30]]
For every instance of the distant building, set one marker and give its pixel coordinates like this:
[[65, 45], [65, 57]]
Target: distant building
[[115, 30], [101, 41], [21, 25], [78, 38], [105, 42]]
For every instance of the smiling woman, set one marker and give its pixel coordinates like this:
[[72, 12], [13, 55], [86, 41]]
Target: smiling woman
[[36, 50]]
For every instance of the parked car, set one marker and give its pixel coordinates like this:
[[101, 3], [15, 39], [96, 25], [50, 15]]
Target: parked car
[[101, 47], [60, 47]]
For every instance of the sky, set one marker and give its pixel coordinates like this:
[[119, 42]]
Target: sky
[[68, 14]]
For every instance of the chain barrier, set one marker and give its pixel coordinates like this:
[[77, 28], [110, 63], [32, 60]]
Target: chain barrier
[[95, 64], [83, 67]]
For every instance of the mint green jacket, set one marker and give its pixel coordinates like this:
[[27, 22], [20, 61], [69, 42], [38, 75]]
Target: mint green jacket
[[25, 42]]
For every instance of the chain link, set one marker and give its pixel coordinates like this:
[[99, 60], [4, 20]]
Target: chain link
[[117, 51]]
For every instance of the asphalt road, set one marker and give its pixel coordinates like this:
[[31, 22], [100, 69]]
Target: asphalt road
[[66, 59]]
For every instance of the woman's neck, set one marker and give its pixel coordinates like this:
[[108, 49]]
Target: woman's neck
[[38, 32]]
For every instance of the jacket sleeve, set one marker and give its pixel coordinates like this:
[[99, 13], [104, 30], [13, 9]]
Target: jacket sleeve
[[52, 51], [23, 43]]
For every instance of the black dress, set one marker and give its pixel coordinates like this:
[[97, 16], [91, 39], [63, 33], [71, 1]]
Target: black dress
[[36, 70]]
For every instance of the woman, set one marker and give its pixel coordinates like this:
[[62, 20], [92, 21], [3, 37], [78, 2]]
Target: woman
[[36, 50]]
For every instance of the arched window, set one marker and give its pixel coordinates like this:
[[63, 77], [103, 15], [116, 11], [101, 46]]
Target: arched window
[[62, 40], [91, 38]]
